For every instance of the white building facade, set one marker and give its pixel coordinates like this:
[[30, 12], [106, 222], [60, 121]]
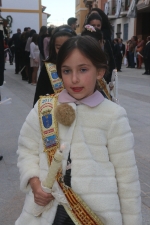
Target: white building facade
[[122, 15], [28, 13]]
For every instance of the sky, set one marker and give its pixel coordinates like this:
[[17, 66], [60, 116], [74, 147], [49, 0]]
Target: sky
[[60, 10]]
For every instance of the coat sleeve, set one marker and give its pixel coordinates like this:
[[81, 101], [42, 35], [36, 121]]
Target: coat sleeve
[[28, 149], [121, 153]]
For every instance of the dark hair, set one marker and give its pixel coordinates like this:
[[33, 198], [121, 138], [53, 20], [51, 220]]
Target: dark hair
[[26, 29], [115, 39], [43, 30], [35, 38], [71, 21], [50, 29], [31, 33], [18, 30], [94, 16], [60, 31], [135, 38], [148, 38], [97, 35], [106, 26], [87, 46]]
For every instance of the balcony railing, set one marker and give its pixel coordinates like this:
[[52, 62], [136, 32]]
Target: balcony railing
[[116, 8]]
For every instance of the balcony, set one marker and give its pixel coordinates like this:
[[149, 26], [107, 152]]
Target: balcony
[[143, 4], [117, 8], [88, 2]]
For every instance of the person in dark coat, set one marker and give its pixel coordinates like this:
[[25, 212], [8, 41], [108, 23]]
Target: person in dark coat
[[1, 60], [117, 53], [1, 54], [146, 56], [122, 51], [16, 41], [99, 22]]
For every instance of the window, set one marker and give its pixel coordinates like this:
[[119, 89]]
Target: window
[[125, 32], [118, 30], [113, 30]]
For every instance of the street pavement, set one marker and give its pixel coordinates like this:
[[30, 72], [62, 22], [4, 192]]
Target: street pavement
[[134, 96]]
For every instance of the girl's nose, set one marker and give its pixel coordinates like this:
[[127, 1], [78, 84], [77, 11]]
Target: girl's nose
[[75, 78]]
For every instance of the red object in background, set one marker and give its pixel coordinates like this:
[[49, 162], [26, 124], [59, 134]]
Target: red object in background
[[5, 45]]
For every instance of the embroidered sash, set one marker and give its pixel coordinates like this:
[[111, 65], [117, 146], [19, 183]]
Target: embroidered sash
[[103, 85], [48, 125], [80, 213], [56, 82]]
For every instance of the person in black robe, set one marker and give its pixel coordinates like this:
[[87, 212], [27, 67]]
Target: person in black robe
[[100, 21], [44, 85]]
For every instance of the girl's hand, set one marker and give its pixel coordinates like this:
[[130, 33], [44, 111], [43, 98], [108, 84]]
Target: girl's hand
[[40, 197]]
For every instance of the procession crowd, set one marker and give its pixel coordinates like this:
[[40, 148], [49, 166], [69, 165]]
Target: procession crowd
[[77, 120], [28, 49]]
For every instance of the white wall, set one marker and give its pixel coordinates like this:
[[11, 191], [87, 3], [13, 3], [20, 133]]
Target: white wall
[[21, 20], [44, 19], [123, 21], [21, 4]]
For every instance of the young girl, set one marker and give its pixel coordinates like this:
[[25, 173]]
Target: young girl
[[34, 57], [45, 84], [100, 184]]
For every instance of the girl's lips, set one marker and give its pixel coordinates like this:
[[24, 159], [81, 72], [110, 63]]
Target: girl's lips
[[77, 89]]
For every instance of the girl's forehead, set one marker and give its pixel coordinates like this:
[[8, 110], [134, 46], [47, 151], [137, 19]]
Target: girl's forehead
[[77, 56]]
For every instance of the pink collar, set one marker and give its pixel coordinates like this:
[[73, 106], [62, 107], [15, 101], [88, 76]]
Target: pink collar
[[93, 100]]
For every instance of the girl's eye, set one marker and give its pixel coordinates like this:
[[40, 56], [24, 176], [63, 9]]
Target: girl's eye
[[66, 71], [83, 70]]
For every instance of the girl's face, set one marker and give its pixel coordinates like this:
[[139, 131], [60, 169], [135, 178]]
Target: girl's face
[[59, 42], [96, 24], [79, 75]]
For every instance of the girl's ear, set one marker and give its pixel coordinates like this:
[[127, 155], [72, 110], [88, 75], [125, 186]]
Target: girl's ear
[[100, 74]]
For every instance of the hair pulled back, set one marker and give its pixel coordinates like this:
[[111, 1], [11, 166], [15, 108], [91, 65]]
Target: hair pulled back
[[98, 35], [94, 16], [60, 31], [88, 46]]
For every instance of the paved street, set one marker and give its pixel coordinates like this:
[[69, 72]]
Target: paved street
[[134, 95]]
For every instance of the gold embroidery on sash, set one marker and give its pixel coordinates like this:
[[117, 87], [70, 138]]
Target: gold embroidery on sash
[[103, 85], [48, 125], [80, 213], [56, 82]]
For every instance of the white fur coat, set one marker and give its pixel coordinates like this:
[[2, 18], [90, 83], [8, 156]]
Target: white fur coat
[[103, 168]]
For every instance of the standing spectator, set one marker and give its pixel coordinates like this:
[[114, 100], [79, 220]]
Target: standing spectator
[[46, 42], [72, 22], [146, 55], [122, 51], [12, 51], [1, 60], [132, 45], [42, 35], [16, 41], [1, 54], [27, 56], [127, 53], [139, 50], [23, 41], [34, 58], [117, 54]]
